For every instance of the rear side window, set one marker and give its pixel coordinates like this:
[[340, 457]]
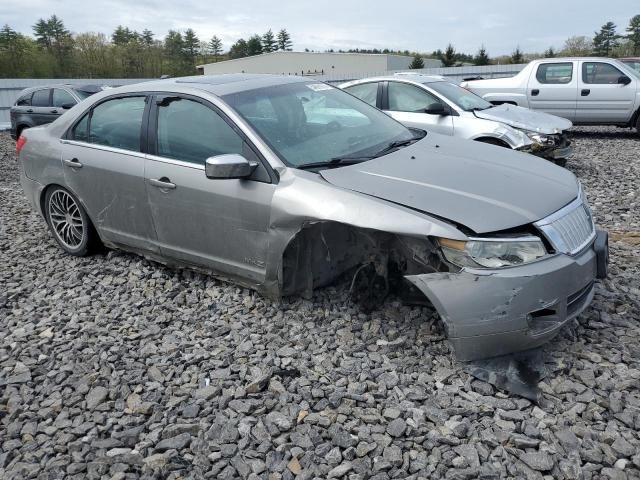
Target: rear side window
[[600, 73], [117, 123], [555, 73], [40, 98], [24, 100], [62, 97], [409, 98], [193, 132], [367, 92]]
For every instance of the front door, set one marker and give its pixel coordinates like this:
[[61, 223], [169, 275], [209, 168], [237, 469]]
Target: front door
[[407, 103], [104, 166], [553, 88], [602, 99], [221, 224]]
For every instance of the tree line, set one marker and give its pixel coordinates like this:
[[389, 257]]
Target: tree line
[[54, 52]]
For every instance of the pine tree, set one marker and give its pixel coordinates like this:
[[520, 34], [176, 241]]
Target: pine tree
[[549, 53], [254, 45], [191, 45], [284, 40], [449, 57], [269, 42], [416, 63], [147, 37], [482, 58], [517, 57], [606, 40], [239, 49], [633, 33], [215, 47]]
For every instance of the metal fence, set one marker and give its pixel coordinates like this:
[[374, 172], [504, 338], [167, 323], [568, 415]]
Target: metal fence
[[11, 87]]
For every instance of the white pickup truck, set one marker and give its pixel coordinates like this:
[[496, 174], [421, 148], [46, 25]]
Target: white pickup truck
[[587, 91]]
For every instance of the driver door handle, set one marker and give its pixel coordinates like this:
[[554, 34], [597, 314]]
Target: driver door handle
[[585, 92], [73, 163], [163, 183], [535, 92]]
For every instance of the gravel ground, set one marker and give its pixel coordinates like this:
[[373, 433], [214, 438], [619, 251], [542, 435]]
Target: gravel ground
[[115, 367]]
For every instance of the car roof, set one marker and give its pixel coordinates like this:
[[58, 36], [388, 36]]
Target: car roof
[[404, 77], [225, 83]]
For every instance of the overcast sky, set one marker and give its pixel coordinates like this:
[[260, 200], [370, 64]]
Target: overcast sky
[[422, 25]]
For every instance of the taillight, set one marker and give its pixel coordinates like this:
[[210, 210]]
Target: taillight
[[22, 141]]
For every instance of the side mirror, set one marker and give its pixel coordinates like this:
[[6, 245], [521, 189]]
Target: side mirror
[[67, 106], [437, 109], [229, 166], [624, 80]]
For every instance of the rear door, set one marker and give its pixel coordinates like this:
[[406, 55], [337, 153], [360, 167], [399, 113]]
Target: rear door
[[602, 99], [41, 110], [553, 88], [104, 160], [407, 103]]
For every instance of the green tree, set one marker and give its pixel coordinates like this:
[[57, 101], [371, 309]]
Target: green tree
[[517, 57], [606, 40], [52, 35], [633, 33], [482, 58], [416, 63], [269, 42], [190, 46], [448, 58], [284, 40], [12, 50], [215, 47], [549, 53], [147, 37], [577, 46], [254, 45], [239, 49]]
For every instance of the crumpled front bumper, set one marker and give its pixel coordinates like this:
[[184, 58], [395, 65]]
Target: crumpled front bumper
[[490, 313], [560, 151]]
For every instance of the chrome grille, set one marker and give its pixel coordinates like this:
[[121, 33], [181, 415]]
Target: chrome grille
[[571, 228]]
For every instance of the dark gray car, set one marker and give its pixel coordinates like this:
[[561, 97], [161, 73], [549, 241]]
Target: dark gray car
[[40, 105], [285, 184]]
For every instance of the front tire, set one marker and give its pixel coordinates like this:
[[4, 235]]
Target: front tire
[[69, 223]]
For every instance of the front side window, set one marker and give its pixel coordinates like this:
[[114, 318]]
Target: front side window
[[193, 132], [40, 98], [117, 123], [464, 99], [80, 131], [409, 98], [367, 92], [308, 123], [600, 73], [62, 98], [555, 73]]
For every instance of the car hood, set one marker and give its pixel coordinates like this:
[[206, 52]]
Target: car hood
[[483, 187], [525, 119]]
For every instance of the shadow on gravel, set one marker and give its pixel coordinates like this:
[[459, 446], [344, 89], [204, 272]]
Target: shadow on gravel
[[624, 134]]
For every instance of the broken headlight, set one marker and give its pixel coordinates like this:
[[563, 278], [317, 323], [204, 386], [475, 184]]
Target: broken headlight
[[541, 138], [492, 253]]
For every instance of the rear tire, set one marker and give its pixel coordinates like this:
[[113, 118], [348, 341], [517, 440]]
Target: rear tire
[[69, 223]]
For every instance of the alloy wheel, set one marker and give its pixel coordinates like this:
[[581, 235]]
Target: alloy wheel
[[66, 220]]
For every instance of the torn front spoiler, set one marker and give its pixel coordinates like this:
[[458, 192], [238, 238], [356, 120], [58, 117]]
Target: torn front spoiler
[[491, 313]]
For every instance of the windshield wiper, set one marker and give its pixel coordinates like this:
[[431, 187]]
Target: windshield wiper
[[334, 162], [396, 144]]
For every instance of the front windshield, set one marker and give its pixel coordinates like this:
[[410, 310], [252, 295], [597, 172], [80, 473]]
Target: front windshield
[[309, 123], [462, 98], [633, 67]]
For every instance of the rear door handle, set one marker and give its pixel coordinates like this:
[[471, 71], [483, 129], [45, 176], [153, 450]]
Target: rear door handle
[[584, 92], [73, 163], [535, 92], [163, 183], [54, 111], [30, 110]]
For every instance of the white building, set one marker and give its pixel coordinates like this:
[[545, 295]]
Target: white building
[[314, 63]]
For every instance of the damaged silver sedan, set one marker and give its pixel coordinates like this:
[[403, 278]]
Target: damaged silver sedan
[[286, 185]]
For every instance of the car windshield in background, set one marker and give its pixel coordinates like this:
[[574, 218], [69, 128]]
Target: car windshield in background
[[312, 123], [87, 91], [462, 98]]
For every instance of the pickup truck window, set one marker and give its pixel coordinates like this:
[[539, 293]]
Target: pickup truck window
[[600, 73], [555, 73]]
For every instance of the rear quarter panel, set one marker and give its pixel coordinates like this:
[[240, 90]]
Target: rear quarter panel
[[41, 157], [503, 90]]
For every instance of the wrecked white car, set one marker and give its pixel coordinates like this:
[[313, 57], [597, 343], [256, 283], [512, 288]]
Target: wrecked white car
[[259, 180]]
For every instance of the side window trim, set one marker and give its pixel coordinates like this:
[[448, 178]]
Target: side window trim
[[152, 128]]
